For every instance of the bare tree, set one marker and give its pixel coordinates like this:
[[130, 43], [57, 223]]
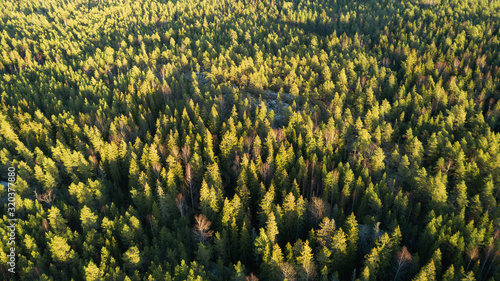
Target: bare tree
[[186, 153], [149, 219], [265, 171], [495, 255], [237, 161], [94, 160], [472, 254], [166, 92], [202, 228], [248, 143], [403, 259], [188, 179], [491, 251], [45, 225], [288, 272], [251, 277], [162, 73], [318, 209], [280, 136], [46, 197], [313, 180], [309, 272], [163, 151], [157, 169], [181, 203]]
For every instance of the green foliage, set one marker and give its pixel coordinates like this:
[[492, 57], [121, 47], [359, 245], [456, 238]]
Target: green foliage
[[216, 140], [60, 250]]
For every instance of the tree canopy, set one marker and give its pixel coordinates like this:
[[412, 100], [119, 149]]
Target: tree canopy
[[246, 140]]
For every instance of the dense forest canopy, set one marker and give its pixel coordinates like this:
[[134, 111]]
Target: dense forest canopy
[[245, 140]]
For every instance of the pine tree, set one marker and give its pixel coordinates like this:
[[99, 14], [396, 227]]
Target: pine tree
[[331, 189], [305, 260], [272, 228], [351, 230], [428, 272], [88, 218], [263, 249], [348, 184], [339, 250], [132, 258], [92, 272], [266, 207], [60, 250], [56, 220], [239, 272], [204, 253], [326, 231]]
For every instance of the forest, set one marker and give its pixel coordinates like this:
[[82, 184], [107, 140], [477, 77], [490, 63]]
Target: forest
[[250, 140]]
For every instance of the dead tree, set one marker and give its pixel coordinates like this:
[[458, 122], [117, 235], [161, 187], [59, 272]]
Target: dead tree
[[46, 197], [403, 259], [202, 228]]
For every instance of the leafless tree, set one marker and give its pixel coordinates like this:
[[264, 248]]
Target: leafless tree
[[45, 225], [386, 62], [265, 171], [236, 166], [491, 252], [186, 153], [157, 169], [94, 160], [309, 271], [248, 143], [472, 254], [103, 210], [181, 203], [304, 180], [495, 255], [280, 136], [162, 73], [149, 219], [313, 179], [403, 259], [188, 179], [216, 141], [318, 209], [46, 197], [354, 195], [166, 92], [288, 272], [163, 151], [202, 228], [36, 271], [251, 277]]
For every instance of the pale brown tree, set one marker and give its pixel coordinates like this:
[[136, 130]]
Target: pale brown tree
[[180, 203], [265, 171], [403, 259], [188, 179], [186, 153], [251, 277], [317, 209], [202, 228], [288, 272], [46, 197]]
